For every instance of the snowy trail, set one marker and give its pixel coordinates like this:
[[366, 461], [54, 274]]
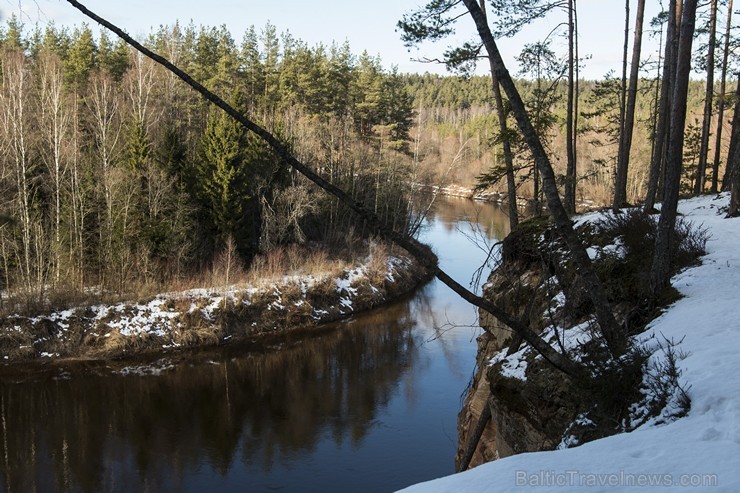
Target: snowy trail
[[700, 452]]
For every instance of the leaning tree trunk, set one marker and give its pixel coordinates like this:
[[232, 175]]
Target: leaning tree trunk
[[625, 138], [614, 336], [421, 252], [657, 160], [701, 170], [659, 274]]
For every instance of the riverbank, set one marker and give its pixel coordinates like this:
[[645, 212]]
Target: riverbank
[[315, 410], [697, 451], [209, 317], [500, 198]]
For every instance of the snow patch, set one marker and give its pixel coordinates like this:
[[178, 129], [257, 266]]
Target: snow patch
[[698, 452]]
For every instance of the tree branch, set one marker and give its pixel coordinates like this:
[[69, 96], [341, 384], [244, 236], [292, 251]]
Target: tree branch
[[420, 251]]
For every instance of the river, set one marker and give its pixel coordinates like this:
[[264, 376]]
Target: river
[[368, 404]]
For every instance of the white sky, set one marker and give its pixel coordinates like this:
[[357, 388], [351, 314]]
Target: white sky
[[367, 25]]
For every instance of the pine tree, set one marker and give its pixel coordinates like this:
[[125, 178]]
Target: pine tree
[[12, 37], [113, 58], [341, 71], [396, 110], [368, 94], [251, 68], [81, 59], [270, 62], [222, 181]]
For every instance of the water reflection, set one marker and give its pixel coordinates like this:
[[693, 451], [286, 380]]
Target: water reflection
[[212, 408], [367, 405], [491, 220]]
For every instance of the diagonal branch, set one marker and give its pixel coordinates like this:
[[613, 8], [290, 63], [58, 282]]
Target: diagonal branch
[[420, 251]]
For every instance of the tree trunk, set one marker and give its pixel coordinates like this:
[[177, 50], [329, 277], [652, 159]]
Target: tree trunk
[[732, 176], [623, 92], [661, 134], [570, 170], [14, 103], [508, 155], [615, 338], [655, 105], [55, 121], [505, 143], [575, 104], [418, 250], [721, 109], [625, 138], [659, 275], [701, 170]]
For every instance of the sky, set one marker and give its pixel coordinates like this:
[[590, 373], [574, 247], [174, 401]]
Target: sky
[[366, 25]]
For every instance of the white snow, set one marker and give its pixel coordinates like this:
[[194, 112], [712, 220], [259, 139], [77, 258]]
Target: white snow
[[512, 366], [615, 249], [345, 283], [700, 452], [160, 317]]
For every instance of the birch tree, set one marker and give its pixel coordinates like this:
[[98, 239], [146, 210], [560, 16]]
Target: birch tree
[[103, 105], [16, 112], [55, 120]]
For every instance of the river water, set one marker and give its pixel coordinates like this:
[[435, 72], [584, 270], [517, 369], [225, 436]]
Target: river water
[[369, 404]]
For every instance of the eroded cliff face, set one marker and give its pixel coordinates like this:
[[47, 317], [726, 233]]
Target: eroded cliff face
[[477, 442], [518, 402], [505, 414]]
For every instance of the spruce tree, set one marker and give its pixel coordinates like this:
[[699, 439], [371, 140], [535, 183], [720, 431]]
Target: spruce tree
[[82, 57]]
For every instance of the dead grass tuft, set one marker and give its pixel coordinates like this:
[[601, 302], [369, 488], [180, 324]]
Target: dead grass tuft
[[115, 343], [377, 268], [198, 336]]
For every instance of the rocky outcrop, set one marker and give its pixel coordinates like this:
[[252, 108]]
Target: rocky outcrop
[[518, 402], [504, 415], [477, 442]]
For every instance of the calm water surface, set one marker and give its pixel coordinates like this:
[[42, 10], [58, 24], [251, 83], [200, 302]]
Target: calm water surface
[[369, 404]]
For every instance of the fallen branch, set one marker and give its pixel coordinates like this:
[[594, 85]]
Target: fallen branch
[[422, 252]]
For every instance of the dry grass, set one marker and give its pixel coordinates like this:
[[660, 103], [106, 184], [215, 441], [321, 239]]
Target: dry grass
[[198, 336], [294, 260], [115, 343], [280, 302], [379, 254], [225, 270]]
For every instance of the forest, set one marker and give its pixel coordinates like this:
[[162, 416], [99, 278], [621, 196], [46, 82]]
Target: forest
[[120, 181], [144, 182]]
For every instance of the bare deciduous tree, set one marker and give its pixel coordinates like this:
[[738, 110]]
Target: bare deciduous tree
[[56, 120], [14, 101]]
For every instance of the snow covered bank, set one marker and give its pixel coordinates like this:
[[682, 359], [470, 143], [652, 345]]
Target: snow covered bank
[[699, 452], [201, 317]]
